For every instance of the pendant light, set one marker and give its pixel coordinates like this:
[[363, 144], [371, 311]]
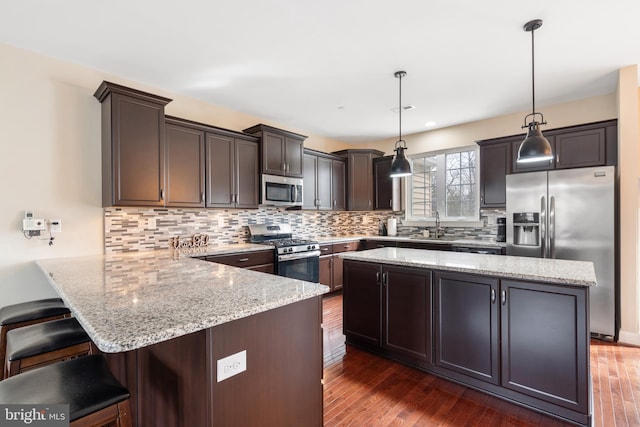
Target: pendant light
[[535, 147], [400, 165]]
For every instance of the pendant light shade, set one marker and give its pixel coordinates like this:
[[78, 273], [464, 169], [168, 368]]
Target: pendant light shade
[[535, 147], [400, 165]]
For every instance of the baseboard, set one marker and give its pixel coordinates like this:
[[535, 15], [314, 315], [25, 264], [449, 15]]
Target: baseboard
[[630, 338]]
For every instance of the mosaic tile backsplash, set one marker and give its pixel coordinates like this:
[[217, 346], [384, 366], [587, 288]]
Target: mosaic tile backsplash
[[142, 229]]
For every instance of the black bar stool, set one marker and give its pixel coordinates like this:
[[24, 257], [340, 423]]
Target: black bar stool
[[28, 313], [33, 346], [94, 396]]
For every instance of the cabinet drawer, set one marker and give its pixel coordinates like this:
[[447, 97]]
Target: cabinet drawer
[[345, 247], [326, 249], [244, 259]]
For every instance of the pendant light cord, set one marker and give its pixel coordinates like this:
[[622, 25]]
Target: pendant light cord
[[400, 109], [533, 74]]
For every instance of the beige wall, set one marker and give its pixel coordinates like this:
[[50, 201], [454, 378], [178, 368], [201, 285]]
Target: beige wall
[[50, 160]]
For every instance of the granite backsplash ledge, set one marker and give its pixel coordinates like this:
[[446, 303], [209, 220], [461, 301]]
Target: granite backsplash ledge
[[141, 229]]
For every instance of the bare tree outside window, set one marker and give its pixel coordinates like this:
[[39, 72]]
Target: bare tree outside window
[[444, 182]]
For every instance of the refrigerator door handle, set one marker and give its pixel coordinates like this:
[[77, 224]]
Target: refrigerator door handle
[[543, 227], [552, 227]]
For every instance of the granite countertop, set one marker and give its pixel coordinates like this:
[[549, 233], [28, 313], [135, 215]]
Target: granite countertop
[[128, 301], [577, 273], [447, 241]]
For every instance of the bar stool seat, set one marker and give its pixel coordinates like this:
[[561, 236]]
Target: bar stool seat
[[94, 396], [32, 310], [32, 346], [28, 313]]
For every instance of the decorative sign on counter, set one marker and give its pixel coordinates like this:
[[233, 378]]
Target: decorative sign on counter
[[196, 241]]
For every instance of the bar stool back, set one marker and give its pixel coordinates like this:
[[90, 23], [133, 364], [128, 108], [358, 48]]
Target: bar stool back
[[37, 345], [28, 313], [94, 396]]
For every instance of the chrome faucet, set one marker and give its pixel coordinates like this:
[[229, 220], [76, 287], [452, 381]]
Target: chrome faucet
[[439, 232]]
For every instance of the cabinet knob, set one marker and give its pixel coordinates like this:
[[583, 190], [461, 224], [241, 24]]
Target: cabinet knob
[[504, 297], [493, 296]]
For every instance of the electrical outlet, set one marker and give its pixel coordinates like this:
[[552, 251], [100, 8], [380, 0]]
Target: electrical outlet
[[232, 365], [55, 226]]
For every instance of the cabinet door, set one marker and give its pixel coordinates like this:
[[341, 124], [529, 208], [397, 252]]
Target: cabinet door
[[374, 244], [494, 167], [246, 174], [362, 303], [324, 184], [337, 272], [138, 149], [273, 161], [407, 313], [360, 182], [338, 175], [545, 343], [220, 171], [466, 325], [293, 152], [325, 274], [530, 167], [383, 183], [580, 149], [185, 166], [309, 184]]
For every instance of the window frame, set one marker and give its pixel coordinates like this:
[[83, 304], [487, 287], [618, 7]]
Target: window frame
[[471, 221]]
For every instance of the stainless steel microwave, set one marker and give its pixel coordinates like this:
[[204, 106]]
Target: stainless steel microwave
[[281, 190]]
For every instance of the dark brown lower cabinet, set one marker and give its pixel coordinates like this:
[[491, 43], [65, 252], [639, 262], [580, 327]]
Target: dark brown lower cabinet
[[173, 383], [526, 342], [388, 310], [466, 321]]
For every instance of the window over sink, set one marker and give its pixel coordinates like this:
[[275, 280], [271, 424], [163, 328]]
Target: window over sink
[[445, 184]]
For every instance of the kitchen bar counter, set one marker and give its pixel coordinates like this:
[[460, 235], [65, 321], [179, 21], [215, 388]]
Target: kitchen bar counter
[[576, 273], [129, 301]]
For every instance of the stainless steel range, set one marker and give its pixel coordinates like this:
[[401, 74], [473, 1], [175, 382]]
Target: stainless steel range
[[295, 258]]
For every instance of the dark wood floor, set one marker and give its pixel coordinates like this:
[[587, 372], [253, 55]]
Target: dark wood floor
[[361, 389]]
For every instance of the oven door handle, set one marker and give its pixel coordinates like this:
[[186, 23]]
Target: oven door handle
[[300, 255]]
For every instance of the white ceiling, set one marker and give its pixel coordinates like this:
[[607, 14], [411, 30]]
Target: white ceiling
[[326, 66]]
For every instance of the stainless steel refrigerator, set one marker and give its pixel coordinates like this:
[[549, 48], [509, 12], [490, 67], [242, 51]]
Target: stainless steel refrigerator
[[569, 214]]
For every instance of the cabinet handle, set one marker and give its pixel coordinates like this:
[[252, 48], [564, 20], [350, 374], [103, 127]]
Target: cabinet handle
[[346, 246], [324, 249], [161, 194], [202, 197], [378, 277], [334, 203], [391, 203], [369, 203], [482, 198], [493, 296], [385, 279], [243, 260], [504, 297], [284, 167], [380, 246]]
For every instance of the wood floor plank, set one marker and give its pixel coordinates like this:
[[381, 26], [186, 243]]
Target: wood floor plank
[[362, 389]]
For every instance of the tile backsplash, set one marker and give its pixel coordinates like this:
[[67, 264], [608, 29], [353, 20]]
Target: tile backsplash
[[141, 229]]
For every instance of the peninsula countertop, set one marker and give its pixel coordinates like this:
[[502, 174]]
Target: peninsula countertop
[[128, 301], [576, 273]]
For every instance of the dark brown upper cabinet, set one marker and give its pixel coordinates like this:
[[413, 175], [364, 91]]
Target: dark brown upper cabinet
[[133, 146], [232, 172], [495, 164], [592, 144], [323, 187], [281, 151], [185, 167], [360, 188], [224, 154], [386, 193]]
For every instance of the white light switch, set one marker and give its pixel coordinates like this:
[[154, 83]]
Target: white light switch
[[232, 365]]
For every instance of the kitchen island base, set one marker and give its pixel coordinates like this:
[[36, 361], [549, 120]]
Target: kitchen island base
[[526, 342], [174, 383]]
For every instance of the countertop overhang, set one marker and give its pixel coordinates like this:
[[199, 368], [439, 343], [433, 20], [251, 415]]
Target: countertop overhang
[[576, 273], [129, 301]]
